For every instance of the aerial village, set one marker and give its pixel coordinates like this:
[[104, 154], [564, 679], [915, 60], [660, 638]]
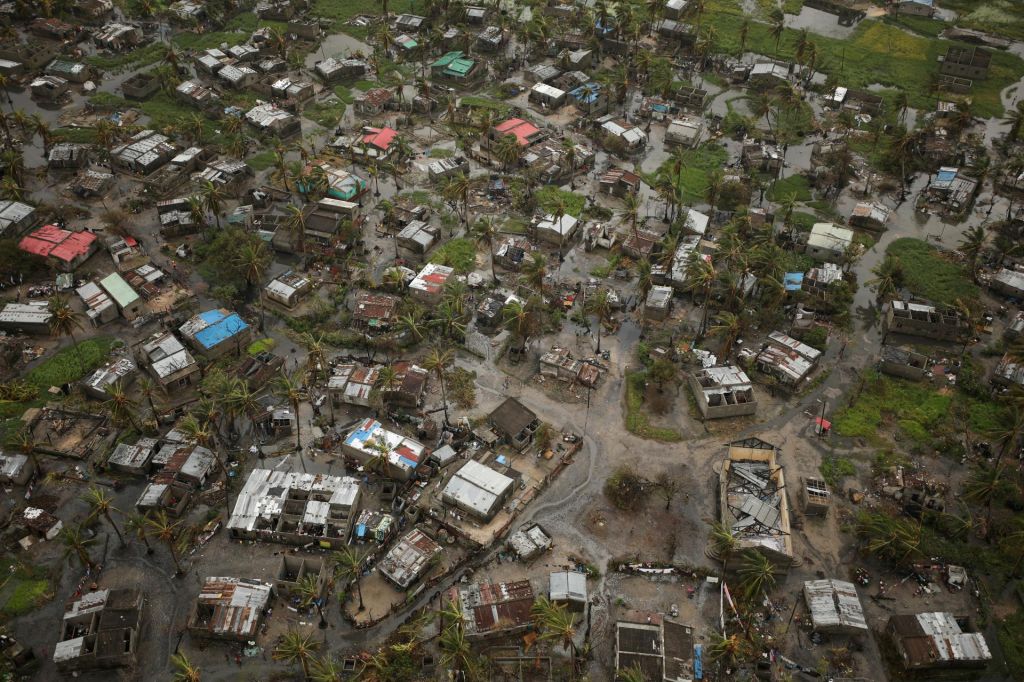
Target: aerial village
[[536, 340]]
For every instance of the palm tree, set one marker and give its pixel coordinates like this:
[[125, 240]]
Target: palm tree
[[437, 361], [348, 564], [456, 649], [122, 407], [309, 593], [762, 104], [985, 486], [744, 33], [290, 388], [213, 199], [889, 537], [757, 574], [326, 669], [295, 224], [412, 324], [184, 671], [534, 271], [135, 522], [65, 321], [456, 190], [729, 327], [166, 531], [888, 278], [100, 504], [972, 246], [298, 648], [778, 28], [556, 623], [485, 233], [600, 306], [508, 151], [1014, 119], [518, 319], [723, 542], [76, 544]]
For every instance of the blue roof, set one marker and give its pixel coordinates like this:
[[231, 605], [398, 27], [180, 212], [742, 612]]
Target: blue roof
[[212, 316], [793, 281], [586, 93], [945, 175], [220, 331], [698, 662], [360, 530]]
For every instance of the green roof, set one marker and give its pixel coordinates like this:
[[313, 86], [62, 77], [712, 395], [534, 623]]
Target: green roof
[[460, 67], [408, 44], [119, 290], [447, 59]]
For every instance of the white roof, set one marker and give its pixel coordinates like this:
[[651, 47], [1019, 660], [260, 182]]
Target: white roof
[[477, 487], [265, 491], [830, 236], [834, 604], [548, 90], [563, 226]]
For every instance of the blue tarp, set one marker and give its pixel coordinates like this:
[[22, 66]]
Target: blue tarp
[[361, 530], [211, 316], [221, 331], [698, 662], [793, 281]]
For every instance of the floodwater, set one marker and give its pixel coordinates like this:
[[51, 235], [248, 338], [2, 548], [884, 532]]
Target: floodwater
[[337, 45], [822, 23]]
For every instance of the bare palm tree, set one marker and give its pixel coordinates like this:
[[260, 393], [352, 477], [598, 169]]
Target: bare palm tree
[[166, 531], [65, 321], [348, 564], [437, 361], [76, 544], [184, 670], [100, 504], [296, 647]]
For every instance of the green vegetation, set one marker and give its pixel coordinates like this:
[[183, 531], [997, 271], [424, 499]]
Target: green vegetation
[[1011, 640], [80, 135], [835, 469], [365, 85], [137, 58], [261, 346], [64, 367], [928, 274], [165, 112], [1003, 17], [344, 94], [475, 102], [326, 113], [107, 100], [456, 253], [25, 594], [925, 26], [876, 52], [637, 422], [262, 160], [205, 41], [340, 11], [548, 199], [441, 153], [919, 412], [603, 271], [794, 184], [221, 260], [696, 165]]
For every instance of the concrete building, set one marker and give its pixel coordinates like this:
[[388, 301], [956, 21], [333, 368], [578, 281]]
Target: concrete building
[[418, 236], [918, 8], [869, 215], [658, 304], [787, 359], [428, 286], [217, 332], [816, 497], [399, 455], [529, 543], [73, 72], [568, 588], [661, 648], [936, 640], [925, 320], [835, 607], [229, 609], [515, 423], [753, 503], [331, 70], [99, 307], [16, 218], [685, 131], [457, 68], [26, 318], [557, 230], [375, 313], [296, 508], [723, 392], [965, 62], [170, 363], [16, 469], [547, 96], [121, 371], [99, 631], [273, 120], [828, 242], [48, 88], [619, 135], [494, 609], [62, 249], [144, 153], [352, 384], [140, 86], [409, 559], [127, 300], [117, 37], [904, 362], [478, 490], [1008, 282], [288, 288], [133, 459]]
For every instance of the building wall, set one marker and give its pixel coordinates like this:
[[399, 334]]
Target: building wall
[[718, 411], [924, 328]]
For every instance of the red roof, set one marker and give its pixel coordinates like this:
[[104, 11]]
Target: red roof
[[381, 138], [130, 241], [523, 130], [51, 240]]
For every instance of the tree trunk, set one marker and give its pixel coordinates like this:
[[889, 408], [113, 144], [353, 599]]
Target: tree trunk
[[298, 428], [117, 530], [174, 557]]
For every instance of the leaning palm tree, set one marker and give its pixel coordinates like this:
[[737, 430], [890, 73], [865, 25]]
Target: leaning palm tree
[[348, 565], [326, 669], [485, 233], [437, 361], [309, 592], [534, 271], [290, 388], [166, 531], [213, 199], [723, 542], [985, 486], [457, 650], [757, 575], [630, 674], [600, 306], [100, 504], [729, 327], [296, 647], [65, 321], [555, 622], [121, 406], [76, 544], [888, 278], [184, 670], [135, 523]]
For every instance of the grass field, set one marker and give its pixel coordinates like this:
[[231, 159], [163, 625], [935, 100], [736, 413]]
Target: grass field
[[637, 421], [24, 595], [697, 164], [549, 195], [929, 275], [261, 160], [456, 253], [326, 114], [794, 184], [139, 57], [877, 52], [1002, 17]]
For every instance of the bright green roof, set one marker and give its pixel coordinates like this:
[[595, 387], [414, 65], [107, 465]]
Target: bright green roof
[[447, 59], [119, 290], [460, 67]]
